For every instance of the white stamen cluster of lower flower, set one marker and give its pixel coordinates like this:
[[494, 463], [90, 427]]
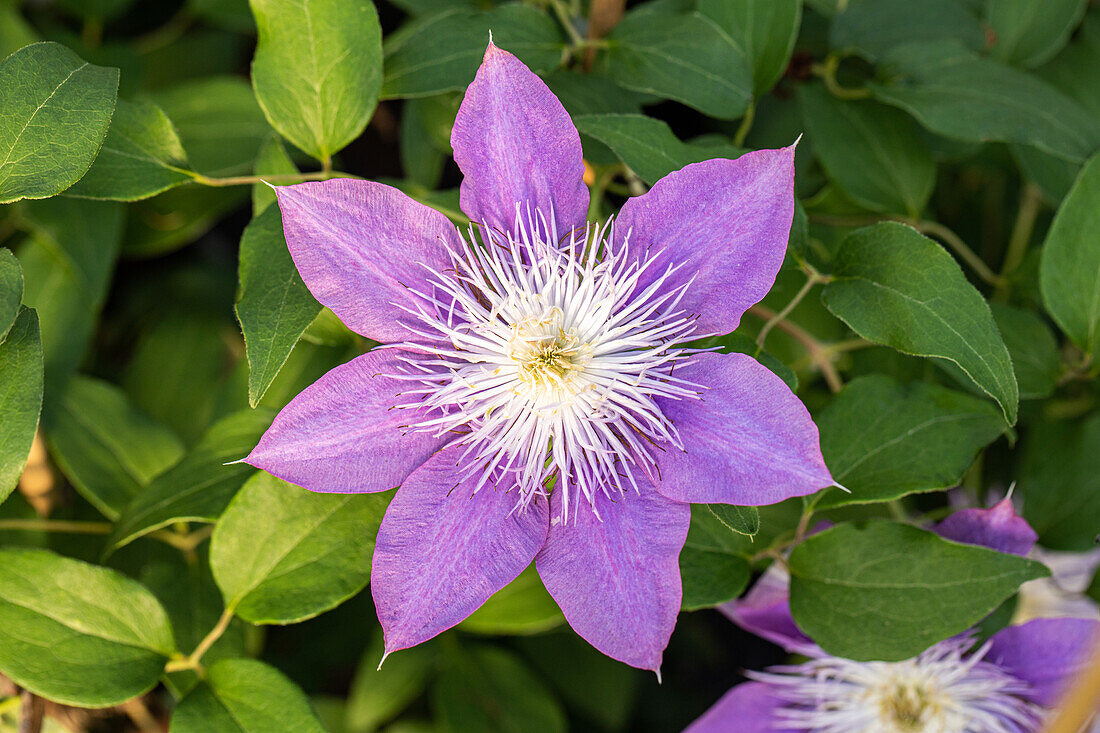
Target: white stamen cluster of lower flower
[[557, 355], [944, 690]]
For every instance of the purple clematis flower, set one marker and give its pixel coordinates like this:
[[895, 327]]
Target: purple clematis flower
[[1002, 686], [533, 400]]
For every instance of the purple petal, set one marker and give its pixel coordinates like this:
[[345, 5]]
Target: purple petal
[[765, 611], [441, 552], [340, 435], [1046, 653], [726, 221], [516, 144], [747, 708], [998, 528], [749, 441], [360, 246], [618, 580]]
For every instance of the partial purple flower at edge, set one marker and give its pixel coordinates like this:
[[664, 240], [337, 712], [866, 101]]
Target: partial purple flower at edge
[[547, 355], [1002, 685]]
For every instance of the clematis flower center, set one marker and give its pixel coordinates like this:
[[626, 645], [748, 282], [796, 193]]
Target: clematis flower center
[[553, 354], [941, 691], [550, 360]]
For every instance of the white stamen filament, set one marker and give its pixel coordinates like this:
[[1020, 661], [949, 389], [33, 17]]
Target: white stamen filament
[[556, 358], [944, 690]]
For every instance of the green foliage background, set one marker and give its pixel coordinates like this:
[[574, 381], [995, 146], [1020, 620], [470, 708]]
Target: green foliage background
[[939, 312]]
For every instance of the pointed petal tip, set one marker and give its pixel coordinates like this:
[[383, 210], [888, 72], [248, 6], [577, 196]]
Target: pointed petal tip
[[239, 460], [658, 673], [383, 659], [493, 51]]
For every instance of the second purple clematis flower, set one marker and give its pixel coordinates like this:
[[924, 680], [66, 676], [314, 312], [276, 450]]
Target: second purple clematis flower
[[533, 400], [1006, 685]]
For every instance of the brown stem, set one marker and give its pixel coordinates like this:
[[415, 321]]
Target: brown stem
[[34, 710], [818, 352], [138, 713], [602, 17], [56, 525], [812, 278]]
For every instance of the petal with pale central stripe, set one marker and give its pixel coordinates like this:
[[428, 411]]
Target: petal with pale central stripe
[[342, 435], [749, 441], [442, 550], [616, 577], [727, 222], [360, 247], [516, 144]]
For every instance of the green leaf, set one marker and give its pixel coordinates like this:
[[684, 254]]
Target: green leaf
[[1076, 70], [766, 29], [76, 633], [874, 153], [1076, 73], [107, 448], [1069, 275], [593, 685], [141, 156], [67, 266], [219, 123], [714, 566], [421, 158], [958, 94], [1052, 174], [1034, 350], [179, 393], [232, 15], [647, 145], [486, 689], [96, 9], [244, 696], [317, 70], [873, 29], [271, 161], [11, 290], [307, 363], [282, 554], [521, 607], [1060, 480], [680, 56], [378, 695], [587, 94], [740, 519], [430, 7], [177, 217], [895, 287], [20, 396], [883, 440], [15, 32], [441, 52], [273, 304], [1029, 33], [888, 591], [201, 485], [711, 578], [56, 111]]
